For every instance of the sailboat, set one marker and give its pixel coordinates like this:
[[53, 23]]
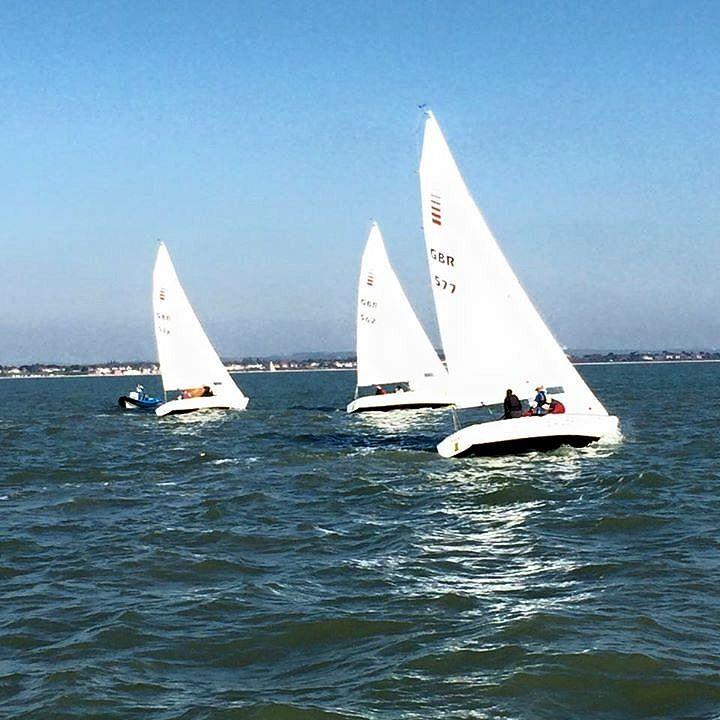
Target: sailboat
[[189, 365], [392, 347], [492, 335]]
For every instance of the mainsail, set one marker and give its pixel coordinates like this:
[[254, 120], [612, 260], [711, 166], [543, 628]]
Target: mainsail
[[492, 335], [187, 358], [391, 344]]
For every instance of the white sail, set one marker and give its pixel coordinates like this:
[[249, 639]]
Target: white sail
[[492, 335], [391, 344], [187, 358]]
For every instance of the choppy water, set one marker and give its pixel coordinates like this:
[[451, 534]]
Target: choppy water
[[294, 562]]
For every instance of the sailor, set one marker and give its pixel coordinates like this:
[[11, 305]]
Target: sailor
[[555, 407], [512, 406], [540, 400], [140, 390], [193, 393], [380, 390]]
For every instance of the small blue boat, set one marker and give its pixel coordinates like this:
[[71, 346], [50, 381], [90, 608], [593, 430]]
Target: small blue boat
[[138, 400]]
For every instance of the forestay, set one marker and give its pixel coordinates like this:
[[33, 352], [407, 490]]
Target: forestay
[[391, 344], [492, 335], [187, 358]]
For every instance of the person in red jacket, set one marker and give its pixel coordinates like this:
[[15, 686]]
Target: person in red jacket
[[555, 407]]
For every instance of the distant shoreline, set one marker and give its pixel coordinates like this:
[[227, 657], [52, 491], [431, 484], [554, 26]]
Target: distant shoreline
[[157, 375], [304, 370], [644, 362]]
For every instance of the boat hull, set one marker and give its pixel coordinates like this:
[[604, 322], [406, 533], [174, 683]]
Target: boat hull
[[410, 400], [131, 403], [528, 434], [188, 405]]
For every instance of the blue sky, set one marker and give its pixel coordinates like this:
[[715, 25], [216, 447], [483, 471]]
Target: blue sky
[[259, 139]]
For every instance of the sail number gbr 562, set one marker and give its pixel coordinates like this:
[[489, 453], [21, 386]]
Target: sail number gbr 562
[[448, 261], [366, 312]]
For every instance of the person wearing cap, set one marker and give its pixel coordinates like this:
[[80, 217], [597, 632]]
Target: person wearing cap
[[540, 400]]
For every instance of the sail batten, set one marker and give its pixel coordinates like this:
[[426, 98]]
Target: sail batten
[[186, 355], [492, 334], [391, 344]]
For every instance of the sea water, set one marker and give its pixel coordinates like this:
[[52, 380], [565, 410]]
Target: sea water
[[295, 562]]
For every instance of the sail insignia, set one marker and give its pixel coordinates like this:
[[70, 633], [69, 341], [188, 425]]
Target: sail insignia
[[435, 213]]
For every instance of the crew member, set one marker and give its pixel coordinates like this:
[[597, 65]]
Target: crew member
[[512, 406], [555, 407], [540, 400]]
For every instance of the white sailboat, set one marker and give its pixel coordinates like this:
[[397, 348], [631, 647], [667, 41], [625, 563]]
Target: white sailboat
[[189, 365], [392, 347], [492, 335]]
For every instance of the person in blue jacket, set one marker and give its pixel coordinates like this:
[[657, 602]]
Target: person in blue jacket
[[540, 400]]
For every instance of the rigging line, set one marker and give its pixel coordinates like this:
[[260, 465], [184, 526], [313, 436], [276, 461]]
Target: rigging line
[[455, 417]]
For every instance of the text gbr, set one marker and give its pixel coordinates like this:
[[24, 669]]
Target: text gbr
[[447, 260]]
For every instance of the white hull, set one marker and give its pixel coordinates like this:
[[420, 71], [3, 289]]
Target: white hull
[[398, 401], [546, 432], [177, 407]]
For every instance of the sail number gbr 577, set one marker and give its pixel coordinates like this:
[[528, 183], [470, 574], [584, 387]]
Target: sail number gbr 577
[[447, 261]]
